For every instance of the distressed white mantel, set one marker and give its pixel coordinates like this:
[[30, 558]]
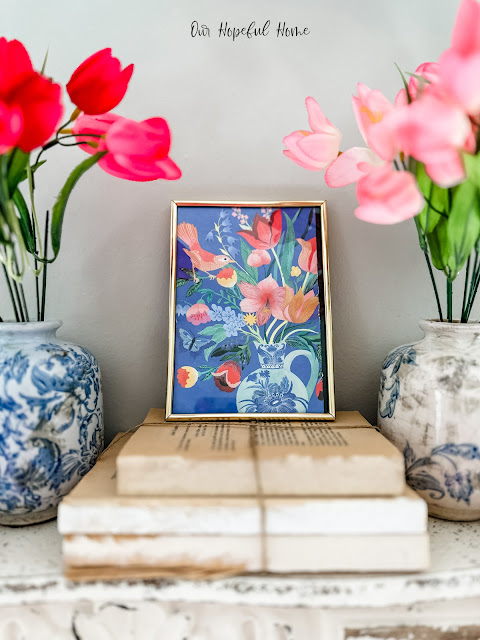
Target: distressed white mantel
[[36, 599]]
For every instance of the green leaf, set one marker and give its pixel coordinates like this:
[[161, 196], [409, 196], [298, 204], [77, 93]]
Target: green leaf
[[463, 226], [472, 168], [438, 245], [244, 277], [216, 331], [436, 200], [182, 281], [58, 211], [405, 83], [24, 220], [17, 169], [311, 283], [194, 288], [287, 250]]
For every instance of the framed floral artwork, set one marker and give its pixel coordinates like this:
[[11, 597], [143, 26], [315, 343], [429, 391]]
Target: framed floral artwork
[[250, 314]]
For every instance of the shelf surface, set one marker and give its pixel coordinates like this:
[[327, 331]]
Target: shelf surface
[[31, 571]]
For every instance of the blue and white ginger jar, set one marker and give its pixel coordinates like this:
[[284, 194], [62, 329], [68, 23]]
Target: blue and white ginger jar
[[429, 407], [51, 419]]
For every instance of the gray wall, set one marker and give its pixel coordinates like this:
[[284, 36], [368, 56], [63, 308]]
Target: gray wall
[[229, 105]]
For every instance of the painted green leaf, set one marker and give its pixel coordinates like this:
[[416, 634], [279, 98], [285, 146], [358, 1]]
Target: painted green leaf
[[287, 250], [245, 250], [194, 288], [182, 281]]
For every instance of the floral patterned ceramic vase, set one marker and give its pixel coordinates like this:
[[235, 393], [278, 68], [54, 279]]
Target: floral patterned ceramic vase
[[429, 407], [51, 413]]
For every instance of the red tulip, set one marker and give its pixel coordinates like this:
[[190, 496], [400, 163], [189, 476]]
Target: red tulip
[[30, 104], [136, 150], [265, 234], [11, 124], [99, 83], [40, 101]]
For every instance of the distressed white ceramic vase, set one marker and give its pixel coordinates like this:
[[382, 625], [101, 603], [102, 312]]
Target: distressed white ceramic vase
[[429, 407], [51, 419]]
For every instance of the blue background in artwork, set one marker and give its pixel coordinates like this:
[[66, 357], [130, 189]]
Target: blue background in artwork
[[204, 396]]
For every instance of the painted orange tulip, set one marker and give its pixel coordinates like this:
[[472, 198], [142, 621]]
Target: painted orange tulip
[[299, 307]]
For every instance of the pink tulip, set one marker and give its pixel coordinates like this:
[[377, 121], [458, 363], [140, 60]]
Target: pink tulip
[[136, 150], [314, 149], [351, 165], [386, 196], [429, 71], [433, 130], [459, 66], [371, 108]]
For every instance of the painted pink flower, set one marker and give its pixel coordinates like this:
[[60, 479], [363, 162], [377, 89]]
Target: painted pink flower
[[258, 257], [228, 376], [136, 150], [264, 234], [265, 299], [314, 149], [371, 109], [307, 260], [198, 313], [386, 196], [459, 66]]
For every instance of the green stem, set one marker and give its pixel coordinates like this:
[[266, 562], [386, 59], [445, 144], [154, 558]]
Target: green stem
[[17, 297], [44, 279], [270, 326], [424, 247], [279, 265], [465, 289], [22, 291], [305, 281], [298, 330], [449, 301], [10, 290]]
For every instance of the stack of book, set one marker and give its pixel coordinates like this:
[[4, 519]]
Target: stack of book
[[199, 499]]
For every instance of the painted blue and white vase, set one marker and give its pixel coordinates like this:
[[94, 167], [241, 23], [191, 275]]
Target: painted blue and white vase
[[273, 387], [51, 419], [429, 407]]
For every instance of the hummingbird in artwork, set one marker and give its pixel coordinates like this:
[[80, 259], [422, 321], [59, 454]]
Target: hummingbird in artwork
[[201, 260]]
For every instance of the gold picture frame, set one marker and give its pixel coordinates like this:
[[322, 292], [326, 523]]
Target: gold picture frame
[[253, 236]]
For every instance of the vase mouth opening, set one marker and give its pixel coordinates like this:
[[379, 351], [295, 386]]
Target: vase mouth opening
[[26, 327], [437, 326]]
